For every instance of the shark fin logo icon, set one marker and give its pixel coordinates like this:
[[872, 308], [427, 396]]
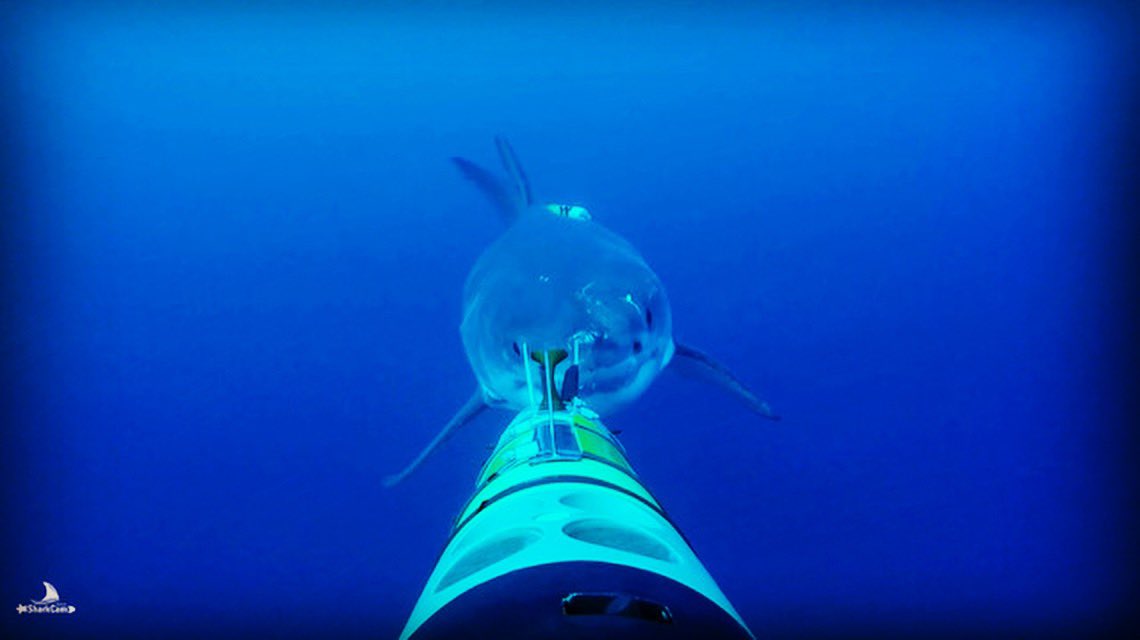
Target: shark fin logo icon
[[50, 603], [51, 596]]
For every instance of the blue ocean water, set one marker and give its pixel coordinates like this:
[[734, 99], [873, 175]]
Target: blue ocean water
[[235, 248]]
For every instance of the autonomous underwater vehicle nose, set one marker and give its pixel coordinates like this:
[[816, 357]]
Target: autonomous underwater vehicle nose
[[561, 539]]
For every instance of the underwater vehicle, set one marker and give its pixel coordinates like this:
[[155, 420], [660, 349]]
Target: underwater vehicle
[[561, 538]]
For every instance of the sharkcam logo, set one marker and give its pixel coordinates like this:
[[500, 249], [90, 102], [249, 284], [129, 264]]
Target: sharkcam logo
[[50, 603]]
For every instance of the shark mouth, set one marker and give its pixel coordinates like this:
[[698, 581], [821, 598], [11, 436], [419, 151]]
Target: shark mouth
[[556, 382], [555, 378]]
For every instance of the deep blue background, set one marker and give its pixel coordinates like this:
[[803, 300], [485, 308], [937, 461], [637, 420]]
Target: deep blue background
[[234, 251]]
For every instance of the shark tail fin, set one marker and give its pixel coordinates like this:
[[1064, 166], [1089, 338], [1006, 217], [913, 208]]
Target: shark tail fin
[[491, 186], [515, 171], [698, 362], [473, 407]]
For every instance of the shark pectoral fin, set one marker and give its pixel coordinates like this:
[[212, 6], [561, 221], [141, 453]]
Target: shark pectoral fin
[[491, 186], [695, 361], [466, 413]]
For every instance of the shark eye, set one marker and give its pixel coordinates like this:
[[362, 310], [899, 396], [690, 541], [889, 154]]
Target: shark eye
[[649, 317], [637, 346]]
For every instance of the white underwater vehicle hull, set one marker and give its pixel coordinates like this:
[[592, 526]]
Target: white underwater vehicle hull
[[562, 540]]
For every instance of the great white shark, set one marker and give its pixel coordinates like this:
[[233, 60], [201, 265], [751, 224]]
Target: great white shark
[[556, 281]]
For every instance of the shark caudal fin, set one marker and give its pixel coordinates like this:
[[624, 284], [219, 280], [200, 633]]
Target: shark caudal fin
[[491, 186], [466, 413], [691, 360], [515, 171], [510, 199]]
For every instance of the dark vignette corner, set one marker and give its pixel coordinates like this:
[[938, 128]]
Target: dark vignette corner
[[1126, 268], [10, 222]]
